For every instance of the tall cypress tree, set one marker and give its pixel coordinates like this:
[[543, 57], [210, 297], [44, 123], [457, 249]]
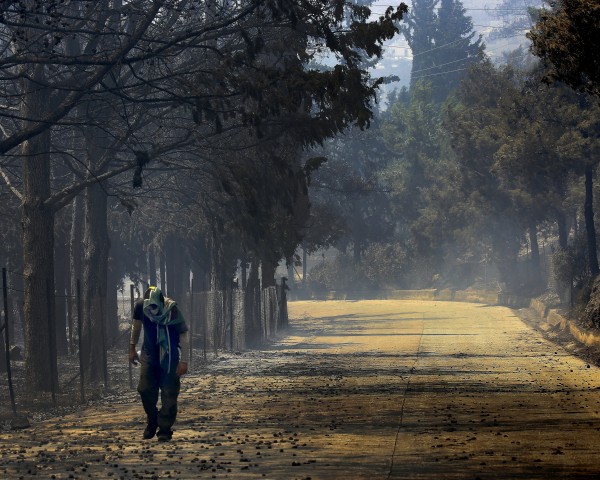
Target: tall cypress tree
[[459, 47], [443, 43], [418, 29]]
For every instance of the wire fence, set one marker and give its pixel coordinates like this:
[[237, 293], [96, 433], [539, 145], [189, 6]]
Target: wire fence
[[236, 319], [95, 364]]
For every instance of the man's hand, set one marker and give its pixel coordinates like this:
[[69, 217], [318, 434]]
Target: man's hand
[[181, 369], [134, 359]]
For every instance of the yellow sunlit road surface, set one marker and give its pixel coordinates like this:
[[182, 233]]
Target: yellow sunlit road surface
[[369, 389]]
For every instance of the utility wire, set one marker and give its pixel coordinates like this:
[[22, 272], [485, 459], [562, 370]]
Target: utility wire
[[452, 43], [440, 73], [455, 61], [442, 65], [495, 9]]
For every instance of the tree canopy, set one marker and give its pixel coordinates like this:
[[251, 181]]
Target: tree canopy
[[96, 93], [443, 44], [566, 36]]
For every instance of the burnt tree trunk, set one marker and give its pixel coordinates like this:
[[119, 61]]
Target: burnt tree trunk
[[505, 249], [61, 280], [96, 245], [112, 308], [268, 268], [291, 275], [151, 264], [244, 279], [38, 259], [75, 255], [252, 305], [536, 270], [163, 271], [217, 265], [589, 222], [563, 234], [200, 278], [37, 223], [304, 266], [177, 274], [95, 271]]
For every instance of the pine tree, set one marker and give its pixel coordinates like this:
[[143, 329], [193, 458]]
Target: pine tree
[[567, 38]]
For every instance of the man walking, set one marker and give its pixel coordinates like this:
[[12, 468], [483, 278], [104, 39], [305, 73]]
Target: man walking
[[164, 359]]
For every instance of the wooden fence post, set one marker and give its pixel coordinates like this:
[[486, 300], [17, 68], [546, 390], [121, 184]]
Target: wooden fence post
[[52, 342], [131, 305], [80, 342], [204, 309], [7, 342], [230, 314], [103, 339], [191, 326]]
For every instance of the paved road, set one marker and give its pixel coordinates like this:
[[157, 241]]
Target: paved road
[[374, 389]]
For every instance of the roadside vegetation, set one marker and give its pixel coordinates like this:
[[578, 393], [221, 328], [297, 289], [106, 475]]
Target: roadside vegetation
[[482, 178]]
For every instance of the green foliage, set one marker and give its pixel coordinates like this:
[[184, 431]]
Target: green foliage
[[570, 264], [326, 227], [478, 126], [340, 274], [473, 179], [420, 173], [383, 265], [529, 162], [386, 265], [348, 187]]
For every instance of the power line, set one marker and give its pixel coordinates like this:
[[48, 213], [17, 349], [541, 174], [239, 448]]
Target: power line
[[448, 71], [443, 64], [489, 51], [453, 42], [437, 48], [524, 8], [449, 63], [440, 73], [486, 27]]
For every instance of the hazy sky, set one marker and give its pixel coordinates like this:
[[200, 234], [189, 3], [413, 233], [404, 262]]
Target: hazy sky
[[397, 56], [483, 13]]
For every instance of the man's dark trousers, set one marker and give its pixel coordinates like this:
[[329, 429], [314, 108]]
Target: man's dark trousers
[[152, 379]]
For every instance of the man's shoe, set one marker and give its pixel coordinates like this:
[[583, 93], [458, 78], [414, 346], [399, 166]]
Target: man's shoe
[[150, 431], [164, 435]]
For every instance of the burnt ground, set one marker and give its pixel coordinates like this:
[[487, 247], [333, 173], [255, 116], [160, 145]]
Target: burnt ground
[[560, 336], [374, 389]]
